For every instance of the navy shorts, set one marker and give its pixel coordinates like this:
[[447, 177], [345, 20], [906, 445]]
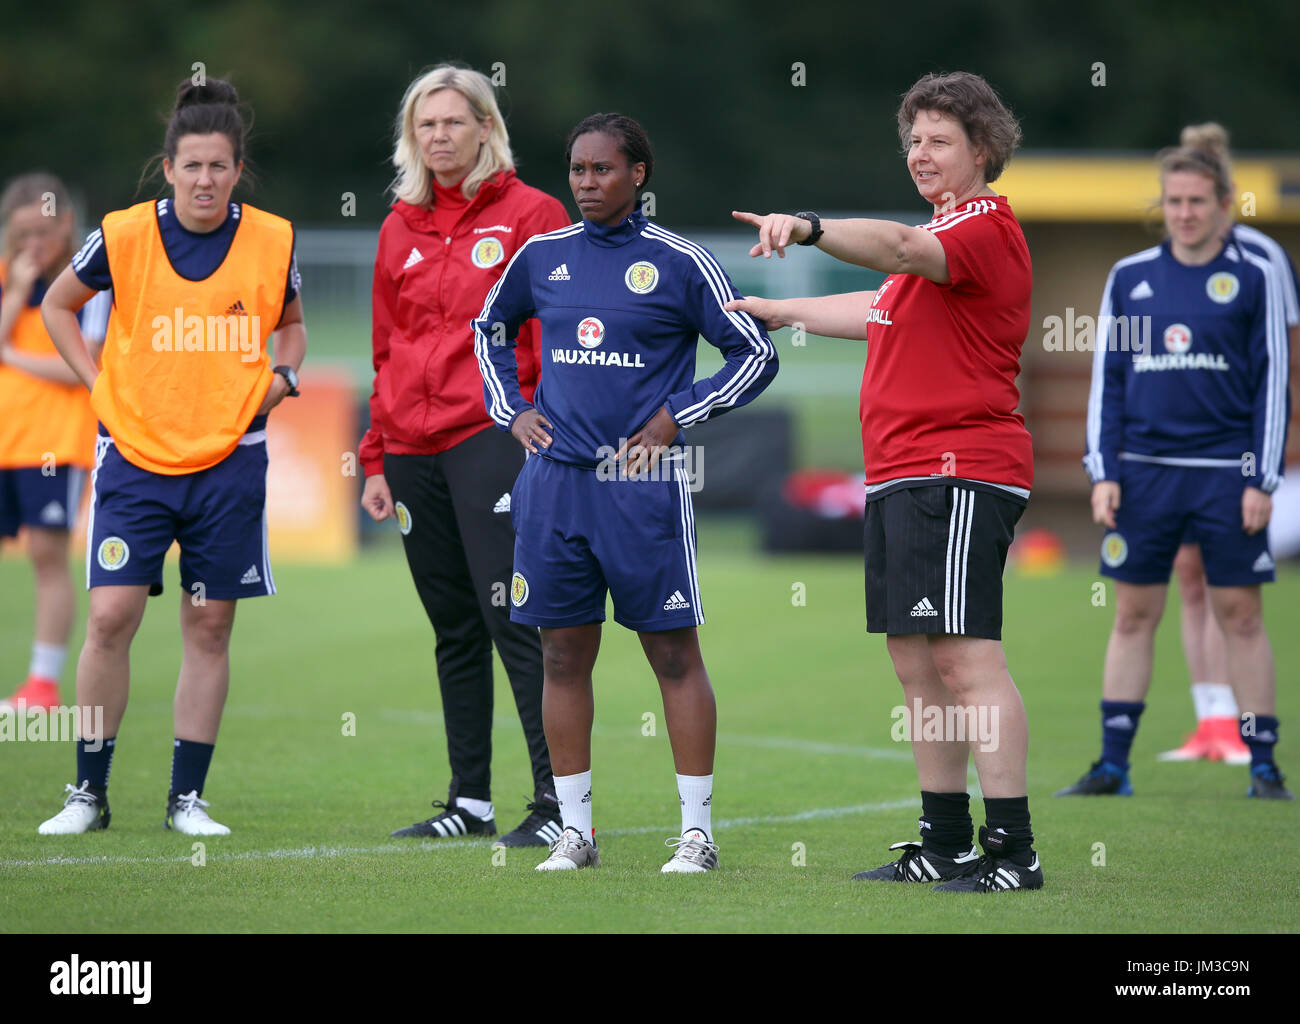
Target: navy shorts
[[34, 497], [218, 516], [578, 534], [1161, 507]]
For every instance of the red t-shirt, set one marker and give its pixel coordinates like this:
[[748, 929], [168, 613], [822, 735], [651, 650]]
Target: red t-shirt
[[939, 391]]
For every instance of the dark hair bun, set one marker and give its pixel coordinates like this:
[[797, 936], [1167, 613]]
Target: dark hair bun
[[214, 90], [203, 110]]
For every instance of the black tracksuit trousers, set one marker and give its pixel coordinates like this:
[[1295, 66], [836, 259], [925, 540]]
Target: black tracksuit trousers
[[461, 553]]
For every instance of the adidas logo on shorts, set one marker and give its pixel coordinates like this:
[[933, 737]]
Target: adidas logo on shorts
[[251, 576], [676, 602], [1263, 563], [560, 273], [503, 503], [53, 513], [923, 608]]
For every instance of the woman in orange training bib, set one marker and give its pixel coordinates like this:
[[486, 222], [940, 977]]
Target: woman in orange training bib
[[199, 284], [47, 432]]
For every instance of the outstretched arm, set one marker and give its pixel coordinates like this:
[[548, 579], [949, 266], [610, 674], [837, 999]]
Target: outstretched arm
[[831, 316], [883, 245]]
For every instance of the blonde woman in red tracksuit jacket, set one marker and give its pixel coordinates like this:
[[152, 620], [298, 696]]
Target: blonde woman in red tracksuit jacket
[[432, 456]]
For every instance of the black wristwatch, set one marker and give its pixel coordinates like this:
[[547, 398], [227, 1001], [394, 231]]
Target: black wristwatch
[[816, 223], [290, 377]]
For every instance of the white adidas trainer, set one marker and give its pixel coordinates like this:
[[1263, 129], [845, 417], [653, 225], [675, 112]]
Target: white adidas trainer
[[83, 811], [185, 813], [570, 852], [694, 854]]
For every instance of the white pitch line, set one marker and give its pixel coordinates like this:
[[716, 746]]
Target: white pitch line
[[511, 724], [311, 852], [803, 746], [902, 753]]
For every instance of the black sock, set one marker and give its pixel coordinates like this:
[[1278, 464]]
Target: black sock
[[93, 766], [946, 826], [1009, 814], [190, 760]]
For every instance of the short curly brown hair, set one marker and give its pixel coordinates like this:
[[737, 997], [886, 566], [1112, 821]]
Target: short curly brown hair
[[969, 99]]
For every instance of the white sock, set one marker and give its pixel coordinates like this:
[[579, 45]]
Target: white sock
[[696, 794], [1214, 700], [574, 794], [47, 661], [478, 808]]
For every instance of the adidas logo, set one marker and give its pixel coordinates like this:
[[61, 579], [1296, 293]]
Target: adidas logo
[[676, 602], [1142, 291], [586, 797], [412, 259], [53, 513], [251, 576], [503, 503], [236, 309], [1118, 722], [1263, 563], [560, 273], [923, 608]]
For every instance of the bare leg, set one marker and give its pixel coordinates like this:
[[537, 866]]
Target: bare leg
[[940, 764], [974, 671], [205, 668], [1131, 651], [690, 711], [1251, 672], [568, 705], [1195, 610], [55, 602], [104, 669]]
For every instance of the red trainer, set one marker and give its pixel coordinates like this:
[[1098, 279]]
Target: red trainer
[[1202, 745], [36, 693], [1228, 746]]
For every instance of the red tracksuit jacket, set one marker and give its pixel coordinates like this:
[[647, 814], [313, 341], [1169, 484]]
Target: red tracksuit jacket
[[428, 287]]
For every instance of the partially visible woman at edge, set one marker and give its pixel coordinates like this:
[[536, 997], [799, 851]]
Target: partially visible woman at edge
[[47, 432]]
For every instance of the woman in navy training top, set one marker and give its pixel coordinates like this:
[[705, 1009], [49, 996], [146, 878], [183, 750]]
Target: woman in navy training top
[[622, 303]]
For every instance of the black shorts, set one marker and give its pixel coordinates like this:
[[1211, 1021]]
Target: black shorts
[[934, 559]]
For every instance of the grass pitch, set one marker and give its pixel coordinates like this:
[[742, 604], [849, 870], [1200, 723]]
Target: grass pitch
[[810, 786]]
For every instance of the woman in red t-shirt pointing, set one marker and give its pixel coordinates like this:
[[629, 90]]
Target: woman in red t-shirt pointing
[[949, 465]]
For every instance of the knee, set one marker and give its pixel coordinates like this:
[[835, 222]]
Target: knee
[[49, 554], [108, 628], [672, 663], [1242, 619], [209, 634], [1136, 619], [955, 673], [1191, 579], [911, 660], [564, 663]]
